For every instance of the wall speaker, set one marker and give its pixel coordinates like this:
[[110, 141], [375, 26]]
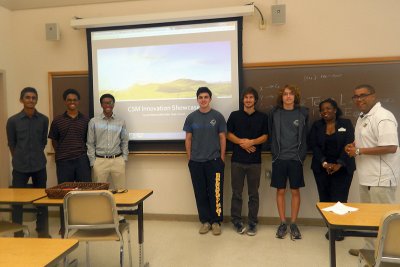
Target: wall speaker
[[278, 14], [52, 32]]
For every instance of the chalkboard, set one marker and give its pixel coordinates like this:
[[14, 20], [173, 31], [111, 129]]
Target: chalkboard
[[320, 80]]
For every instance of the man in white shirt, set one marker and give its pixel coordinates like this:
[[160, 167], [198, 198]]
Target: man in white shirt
[[376, 150]]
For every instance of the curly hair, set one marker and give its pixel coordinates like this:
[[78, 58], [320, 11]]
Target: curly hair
[[294, 89]]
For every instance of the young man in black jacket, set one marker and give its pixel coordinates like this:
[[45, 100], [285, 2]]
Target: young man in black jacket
[[288, 134]]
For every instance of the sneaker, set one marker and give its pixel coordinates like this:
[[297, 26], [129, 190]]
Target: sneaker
[[282, 231], [252, 230], [240, 229], [294, 231], [216, 229], [354, 252], [205, 227]]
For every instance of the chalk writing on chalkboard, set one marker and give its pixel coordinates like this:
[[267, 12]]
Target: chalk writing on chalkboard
[[320, 81]]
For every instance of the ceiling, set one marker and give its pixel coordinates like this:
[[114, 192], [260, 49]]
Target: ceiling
[[32, 4]]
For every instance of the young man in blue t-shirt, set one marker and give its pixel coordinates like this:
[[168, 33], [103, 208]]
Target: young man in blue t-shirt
[[205, 146]]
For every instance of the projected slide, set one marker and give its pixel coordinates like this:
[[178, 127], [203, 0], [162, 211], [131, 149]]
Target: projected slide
[[154, 74], [165, 71]]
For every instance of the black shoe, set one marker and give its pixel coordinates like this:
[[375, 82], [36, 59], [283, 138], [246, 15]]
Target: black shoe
[[43, 235], [240, 229], [282, 231], [294, 231], [339, 236], [252, 230]]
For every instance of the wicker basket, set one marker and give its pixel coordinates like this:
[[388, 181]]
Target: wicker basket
[[59, 191]]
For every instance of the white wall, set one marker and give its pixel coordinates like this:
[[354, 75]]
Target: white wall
[[315, 29], [5, 68]]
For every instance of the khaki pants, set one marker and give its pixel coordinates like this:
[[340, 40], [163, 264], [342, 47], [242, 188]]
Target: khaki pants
[[114, 168], [376, 194]]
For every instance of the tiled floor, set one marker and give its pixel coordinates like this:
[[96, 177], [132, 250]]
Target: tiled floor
[[178, 244]]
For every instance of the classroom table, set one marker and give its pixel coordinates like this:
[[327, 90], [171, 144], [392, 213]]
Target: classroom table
[[364, 222], [130, 200], [34, 252], [20, 196]]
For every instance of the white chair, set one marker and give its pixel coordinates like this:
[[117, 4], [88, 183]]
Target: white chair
[[387, 247], [9, 227], [92, 216]]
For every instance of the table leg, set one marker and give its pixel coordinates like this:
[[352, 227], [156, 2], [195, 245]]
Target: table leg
[[332, 246], [62, 223], [141, 236]]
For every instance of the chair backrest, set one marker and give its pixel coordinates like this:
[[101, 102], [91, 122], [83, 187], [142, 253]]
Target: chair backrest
[[387, 247], [90, 210]]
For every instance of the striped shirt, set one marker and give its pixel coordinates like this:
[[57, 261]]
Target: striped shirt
[[70, 135], [107, 137]]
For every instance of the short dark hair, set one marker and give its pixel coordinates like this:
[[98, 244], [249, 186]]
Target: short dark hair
[[71, 91], [107, 96], [203, 90], [370, 88], [248, 91], [334, 105], [28, 90]]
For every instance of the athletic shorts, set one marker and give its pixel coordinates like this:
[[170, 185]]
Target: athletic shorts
[[282, 170]]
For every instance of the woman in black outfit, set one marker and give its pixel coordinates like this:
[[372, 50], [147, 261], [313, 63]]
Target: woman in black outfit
[[333, 169]]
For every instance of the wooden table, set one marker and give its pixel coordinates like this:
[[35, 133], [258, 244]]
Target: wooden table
[[367, 218], [130, 199], [34, 251], [20, 195]]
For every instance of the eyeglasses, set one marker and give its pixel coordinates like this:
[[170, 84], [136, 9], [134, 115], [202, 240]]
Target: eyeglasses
[[107, 103], [360, 97]]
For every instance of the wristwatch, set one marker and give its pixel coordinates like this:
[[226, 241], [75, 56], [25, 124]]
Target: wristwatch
[[358, 151], [324, 164]]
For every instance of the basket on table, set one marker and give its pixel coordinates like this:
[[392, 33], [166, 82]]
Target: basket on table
[[59, 191]]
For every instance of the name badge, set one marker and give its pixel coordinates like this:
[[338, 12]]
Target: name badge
[[342, 129]]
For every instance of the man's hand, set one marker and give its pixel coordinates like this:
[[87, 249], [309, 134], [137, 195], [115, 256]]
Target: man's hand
[[350, 149], [246, 143]]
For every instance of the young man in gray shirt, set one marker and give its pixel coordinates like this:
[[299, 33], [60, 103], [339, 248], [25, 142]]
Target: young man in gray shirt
[[288, 133], [205, 146]]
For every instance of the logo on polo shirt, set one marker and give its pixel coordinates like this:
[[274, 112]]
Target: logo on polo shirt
[[296, 123], [213, 122]]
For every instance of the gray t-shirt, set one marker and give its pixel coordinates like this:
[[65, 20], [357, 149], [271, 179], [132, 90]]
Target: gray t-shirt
[[289, 140], [205, 129]]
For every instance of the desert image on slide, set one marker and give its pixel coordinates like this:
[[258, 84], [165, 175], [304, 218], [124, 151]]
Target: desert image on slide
[[162, 72]]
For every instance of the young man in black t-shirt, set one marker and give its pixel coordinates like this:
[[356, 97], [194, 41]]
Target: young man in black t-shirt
[[247, 130]]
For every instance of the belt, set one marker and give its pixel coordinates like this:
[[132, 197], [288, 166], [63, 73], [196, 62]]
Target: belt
[[109, 157]]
